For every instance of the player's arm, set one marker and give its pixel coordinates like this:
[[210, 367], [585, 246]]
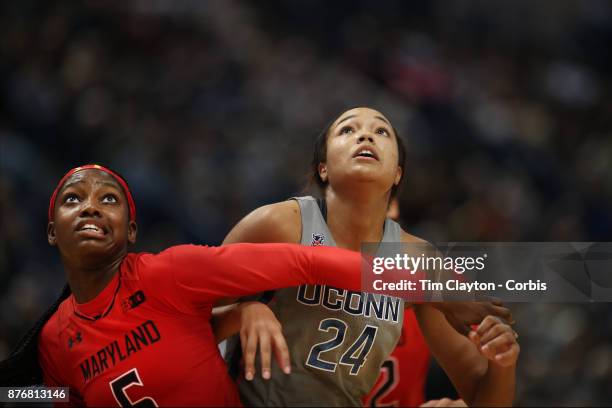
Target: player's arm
[[225, 321], [256, 323], [483, 367], [244, 269], [199, 276], [462, 315], [258, 327], [278, 222]]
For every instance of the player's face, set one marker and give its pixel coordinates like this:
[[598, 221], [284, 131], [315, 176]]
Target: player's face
[[362, 146], [91, 218]]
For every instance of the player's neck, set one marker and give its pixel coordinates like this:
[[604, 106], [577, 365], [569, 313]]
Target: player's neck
[[355, 219], [87, 281]]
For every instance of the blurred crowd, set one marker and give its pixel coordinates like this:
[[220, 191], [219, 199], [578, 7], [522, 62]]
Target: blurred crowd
[[210, 109]]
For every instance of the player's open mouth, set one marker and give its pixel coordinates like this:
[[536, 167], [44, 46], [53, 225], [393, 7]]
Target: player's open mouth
[[366, 153], [90, 228]]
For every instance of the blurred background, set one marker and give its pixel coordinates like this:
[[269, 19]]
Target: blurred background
[[210, 109]]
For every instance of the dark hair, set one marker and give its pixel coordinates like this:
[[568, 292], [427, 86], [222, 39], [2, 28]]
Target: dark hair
[[320, 156], [22, 367]]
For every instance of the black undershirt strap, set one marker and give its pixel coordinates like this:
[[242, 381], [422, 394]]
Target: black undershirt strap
[[323, 207], [108, 309]]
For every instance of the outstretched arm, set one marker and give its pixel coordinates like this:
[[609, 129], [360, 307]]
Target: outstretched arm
[[483, 367], [210, 275], [201, 275], [460, 315]]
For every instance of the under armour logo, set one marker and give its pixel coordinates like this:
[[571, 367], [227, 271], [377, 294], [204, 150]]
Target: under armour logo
[[77, 339]]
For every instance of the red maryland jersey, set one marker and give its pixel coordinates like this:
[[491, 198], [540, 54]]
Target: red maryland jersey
[[402, 377], [146, 340]]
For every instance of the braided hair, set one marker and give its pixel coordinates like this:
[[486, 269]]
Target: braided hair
[[22, 368]]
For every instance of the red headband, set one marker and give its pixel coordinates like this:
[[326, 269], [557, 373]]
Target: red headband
[[117, 177]]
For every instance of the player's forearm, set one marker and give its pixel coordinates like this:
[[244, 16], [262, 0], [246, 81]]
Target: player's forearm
[[496, 388], [261, 267], [478, 381], [336, 267], [293, 265], [225, 321]]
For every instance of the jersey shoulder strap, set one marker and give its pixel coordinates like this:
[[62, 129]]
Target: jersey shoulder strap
[[392, 232], [313, 212]]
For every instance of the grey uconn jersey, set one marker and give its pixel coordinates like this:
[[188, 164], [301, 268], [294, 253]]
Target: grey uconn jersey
[[337, 339]]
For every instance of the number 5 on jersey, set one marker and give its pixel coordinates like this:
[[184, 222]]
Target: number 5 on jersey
[[120, 385], [355, 356]]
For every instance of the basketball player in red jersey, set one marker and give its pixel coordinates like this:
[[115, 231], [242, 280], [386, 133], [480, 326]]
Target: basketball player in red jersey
[[403, 375], [135, 331]]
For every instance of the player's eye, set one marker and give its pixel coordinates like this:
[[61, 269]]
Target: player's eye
[[109, 199], [71, 198], [382, 131], [346, 130]]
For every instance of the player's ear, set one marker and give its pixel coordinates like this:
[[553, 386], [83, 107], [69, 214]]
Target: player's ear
[[51, 233], [323, 172], [398, 175], [132, 232]]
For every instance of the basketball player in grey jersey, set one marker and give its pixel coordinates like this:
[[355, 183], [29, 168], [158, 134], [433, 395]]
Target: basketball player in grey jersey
[[338, 340], [341, 335]]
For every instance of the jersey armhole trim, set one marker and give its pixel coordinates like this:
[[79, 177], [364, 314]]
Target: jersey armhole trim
[[296, 199]]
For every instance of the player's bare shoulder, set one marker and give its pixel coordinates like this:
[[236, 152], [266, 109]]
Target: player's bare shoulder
[[278, 222]]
